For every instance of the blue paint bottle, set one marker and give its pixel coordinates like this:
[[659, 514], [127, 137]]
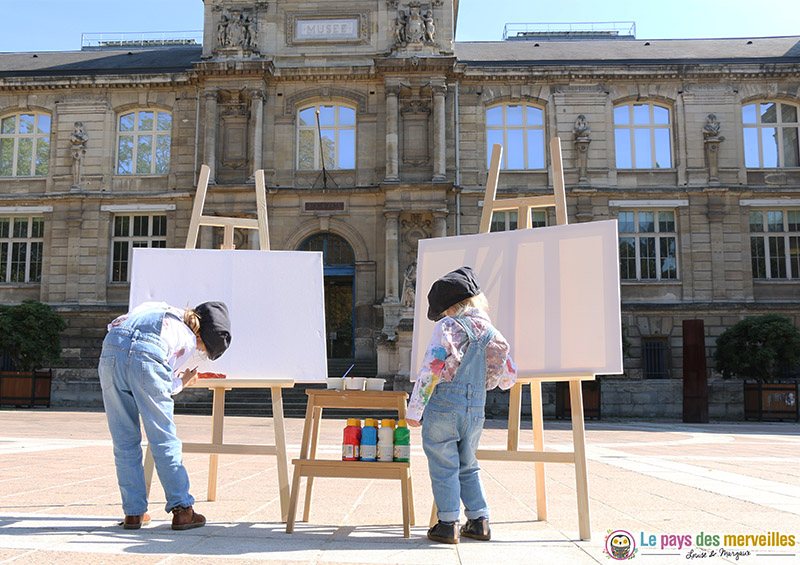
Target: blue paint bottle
[[369, 440]]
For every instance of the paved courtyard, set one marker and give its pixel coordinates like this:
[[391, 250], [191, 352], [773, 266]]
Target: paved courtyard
[[664, 484]]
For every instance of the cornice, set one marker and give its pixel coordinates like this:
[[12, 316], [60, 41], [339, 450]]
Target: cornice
[[172, 80]]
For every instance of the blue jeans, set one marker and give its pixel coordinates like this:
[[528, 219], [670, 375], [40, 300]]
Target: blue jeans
[[451, 430], [136, 380]]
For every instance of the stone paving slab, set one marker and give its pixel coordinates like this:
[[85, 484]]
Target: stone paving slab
[[656, 481]]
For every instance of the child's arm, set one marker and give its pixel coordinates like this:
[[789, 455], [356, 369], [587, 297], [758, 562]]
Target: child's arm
[[432, 365], [500, 368]]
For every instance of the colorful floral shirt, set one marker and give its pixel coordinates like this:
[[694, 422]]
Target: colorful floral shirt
[[445, 352], [181, 343]]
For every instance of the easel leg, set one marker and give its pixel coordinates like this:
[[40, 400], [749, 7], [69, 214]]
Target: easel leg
[[149, 465], [581, 472], [292, 512], [313, 455], [280, 444], [538, 445], [514, 416], [217, 419]]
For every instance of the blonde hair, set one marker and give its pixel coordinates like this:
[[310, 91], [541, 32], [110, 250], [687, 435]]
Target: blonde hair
[[478, 301], [191, 319]]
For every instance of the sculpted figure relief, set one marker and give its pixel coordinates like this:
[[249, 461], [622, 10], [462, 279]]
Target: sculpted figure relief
[[711, 127], [581, 128], [236, 30], [409, 285], [414, 27], [77, 140]]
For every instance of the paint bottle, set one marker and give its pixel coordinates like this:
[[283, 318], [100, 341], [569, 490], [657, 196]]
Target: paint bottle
[[402, 442], [352, 439], [369, 440], [386, 441]]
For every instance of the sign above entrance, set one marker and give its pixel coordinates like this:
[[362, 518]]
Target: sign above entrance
[[328, 28]]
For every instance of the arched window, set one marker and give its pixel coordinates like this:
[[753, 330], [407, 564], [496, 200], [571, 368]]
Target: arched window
[[143, 142], [642, 136], [519, 128], [339, 272], [337, 133], [24, 144], [771, 135]]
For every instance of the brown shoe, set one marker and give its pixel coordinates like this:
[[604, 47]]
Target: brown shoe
[[186, 518], [136, 522]]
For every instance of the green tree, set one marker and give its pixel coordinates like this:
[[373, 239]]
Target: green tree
[[30, 333], [759, 348]]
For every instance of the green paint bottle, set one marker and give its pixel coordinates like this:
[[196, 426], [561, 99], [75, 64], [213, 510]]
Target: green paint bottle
[[402, 442]]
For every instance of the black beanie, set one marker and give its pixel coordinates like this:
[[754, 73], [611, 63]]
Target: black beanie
[[451, 289], [215, 327]]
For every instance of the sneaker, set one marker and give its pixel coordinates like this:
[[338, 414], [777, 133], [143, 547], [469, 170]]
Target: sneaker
[[136, 522], [186, 518], [444, 532], [477, 529]]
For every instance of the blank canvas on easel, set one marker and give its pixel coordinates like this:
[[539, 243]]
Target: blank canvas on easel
[[275, 300], [553, 293]]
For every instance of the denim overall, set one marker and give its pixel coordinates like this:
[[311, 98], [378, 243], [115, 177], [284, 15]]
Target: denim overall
[[136, 379], [451, 430]]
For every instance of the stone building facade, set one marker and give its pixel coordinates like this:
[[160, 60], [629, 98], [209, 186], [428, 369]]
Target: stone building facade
[[373, 128]]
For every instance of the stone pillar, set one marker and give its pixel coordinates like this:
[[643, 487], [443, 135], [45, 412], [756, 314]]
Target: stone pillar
[[210, 153], [712, 158], [392, 138], [440, 224], [439, 137], [392, 258], [258, 133]]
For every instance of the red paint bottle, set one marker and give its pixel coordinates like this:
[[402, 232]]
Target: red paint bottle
[[352, 440]]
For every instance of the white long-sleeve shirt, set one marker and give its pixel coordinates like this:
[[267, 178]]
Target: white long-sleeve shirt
[[180, 341]]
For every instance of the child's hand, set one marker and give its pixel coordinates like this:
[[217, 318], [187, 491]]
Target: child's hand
[[189, 376], [413, 423]]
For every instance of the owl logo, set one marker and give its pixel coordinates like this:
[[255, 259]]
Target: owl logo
[[620, 545]]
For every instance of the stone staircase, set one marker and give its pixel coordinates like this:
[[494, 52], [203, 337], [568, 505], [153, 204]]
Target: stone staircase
[[258, 401]]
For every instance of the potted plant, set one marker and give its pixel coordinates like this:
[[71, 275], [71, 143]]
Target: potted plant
[[30, 336], [764, 349]]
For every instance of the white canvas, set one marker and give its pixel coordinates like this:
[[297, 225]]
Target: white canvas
[[553, 293], [275, 299]]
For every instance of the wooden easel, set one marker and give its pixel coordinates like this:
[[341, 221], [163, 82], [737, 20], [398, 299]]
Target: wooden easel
[[538, 455], [309, 466], [219, 386]]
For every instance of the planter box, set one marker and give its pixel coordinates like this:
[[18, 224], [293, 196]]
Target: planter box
[[773, 401], [591, 400], [28, 389]]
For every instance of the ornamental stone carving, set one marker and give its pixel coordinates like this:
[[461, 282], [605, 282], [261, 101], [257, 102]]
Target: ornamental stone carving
[[237, 29], [77, 142], [712, 139], [414, 26], [581, 132]]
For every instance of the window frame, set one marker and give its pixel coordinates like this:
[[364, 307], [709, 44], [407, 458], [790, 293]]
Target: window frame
[[651, 127], [8, 240], [785, 237], [35, 138], [779, 126], [131, 239], [658, 236], [337, 127], [524, 127], [656, 356], [504, 217], [136, 133]]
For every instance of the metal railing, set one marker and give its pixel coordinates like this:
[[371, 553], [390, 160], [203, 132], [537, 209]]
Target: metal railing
[[571, 30], [140, 40]]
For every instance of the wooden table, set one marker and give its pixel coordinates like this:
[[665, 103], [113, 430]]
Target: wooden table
[[309, 466], [217, 447]]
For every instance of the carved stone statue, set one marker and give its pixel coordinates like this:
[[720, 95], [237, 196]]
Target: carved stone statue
[[77, 141], [581, 132], [414, 27], [430, 28], [581, 128], [712, 139], [236, 30], [711, 127], [409, 285]]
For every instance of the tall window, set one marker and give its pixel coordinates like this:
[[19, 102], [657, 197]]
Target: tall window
[[771, 135], [338, 137], [21, 244], [775, 244], [506, 220], [642, 136], [519, 128], [143, 141], [147, 230], [655, 361], [24, 145], [648, 245]]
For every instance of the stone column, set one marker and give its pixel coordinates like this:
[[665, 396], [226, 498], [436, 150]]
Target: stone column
[[258, 133], [210, 154], [392, 137], [712, 158], [392, 258], [439, 138], [440, 224]]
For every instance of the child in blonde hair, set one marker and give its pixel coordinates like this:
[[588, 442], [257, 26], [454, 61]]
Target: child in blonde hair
[[149, 354], [466, 357]]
